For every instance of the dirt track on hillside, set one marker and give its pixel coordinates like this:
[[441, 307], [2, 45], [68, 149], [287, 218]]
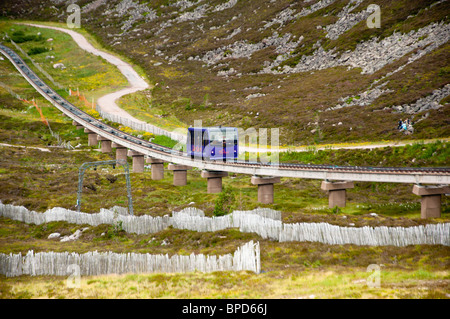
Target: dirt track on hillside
[[108, 101]]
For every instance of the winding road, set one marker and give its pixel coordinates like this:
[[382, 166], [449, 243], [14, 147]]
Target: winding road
[[108, 101]]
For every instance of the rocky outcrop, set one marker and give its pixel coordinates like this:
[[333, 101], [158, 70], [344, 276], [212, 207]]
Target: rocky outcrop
[[93, 5], [75, 236], [315, 7], [363, 99], [374, 54], [134, 11], [430, 102], [198, 13], [347, 20], [281, 18], [241, 49], [227, 5]]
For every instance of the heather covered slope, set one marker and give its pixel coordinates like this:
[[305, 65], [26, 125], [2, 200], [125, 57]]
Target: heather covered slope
[[312, 68]]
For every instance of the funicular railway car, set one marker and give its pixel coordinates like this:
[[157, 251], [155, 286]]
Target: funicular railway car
[[213, 143]]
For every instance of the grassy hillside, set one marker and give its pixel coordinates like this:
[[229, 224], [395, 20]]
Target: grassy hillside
[[186, 89], [206, 58]]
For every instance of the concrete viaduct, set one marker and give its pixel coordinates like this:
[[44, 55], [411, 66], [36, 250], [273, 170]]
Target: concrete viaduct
[[336, 179]]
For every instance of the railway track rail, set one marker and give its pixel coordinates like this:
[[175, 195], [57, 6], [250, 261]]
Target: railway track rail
[[416, 175]]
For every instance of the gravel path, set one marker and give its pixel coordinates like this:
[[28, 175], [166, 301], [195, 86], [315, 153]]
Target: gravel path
[[108, 101], [24, 146]]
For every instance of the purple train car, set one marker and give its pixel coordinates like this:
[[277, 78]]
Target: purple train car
[[213, 143]]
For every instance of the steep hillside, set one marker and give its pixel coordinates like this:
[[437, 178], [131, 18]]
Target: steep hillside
[[312, 68]]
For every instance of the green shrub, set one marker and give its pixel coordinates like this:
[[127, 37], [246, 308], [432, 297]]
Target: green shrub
[[20, 37], [37, 50], [164, 141], [115, 230], [225, 203]]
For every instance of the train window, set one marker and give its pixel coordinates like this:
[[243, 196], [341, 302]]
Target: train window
[[205, 139], [215, 135]]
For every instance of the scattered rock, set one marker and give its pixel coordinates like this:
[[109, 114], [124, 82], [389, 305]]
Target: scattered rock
[[226, 5], [54, 235], [363, 99], [76, 235], [72, 237], [59, 66], [374, 54], [255, 95], [346, 20], [429, 102], [243, 49], [134, 11]]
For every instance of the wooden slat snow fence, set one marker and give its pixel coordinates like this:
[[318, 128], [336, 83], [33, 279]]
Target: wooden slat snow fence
[[140, 126], [246, 257], [265, 222]]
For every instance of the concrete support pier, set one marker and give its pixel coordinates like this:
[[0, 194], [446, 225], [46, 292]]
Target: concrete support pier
[[138, 161], [214, 179], [431, 199], [336, 192], [79, 126], [179, 174], [121, 152], [106, 144], [265, 188], [92, 137], [157, 168]]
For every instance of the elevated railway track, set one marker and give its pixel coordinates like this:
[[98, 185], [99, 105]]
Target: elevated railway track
[[268, 172]]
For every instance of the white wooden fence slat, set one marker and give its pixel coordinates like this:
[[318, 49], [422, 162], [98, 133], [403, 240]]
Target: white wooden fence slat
[[264, 222]]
